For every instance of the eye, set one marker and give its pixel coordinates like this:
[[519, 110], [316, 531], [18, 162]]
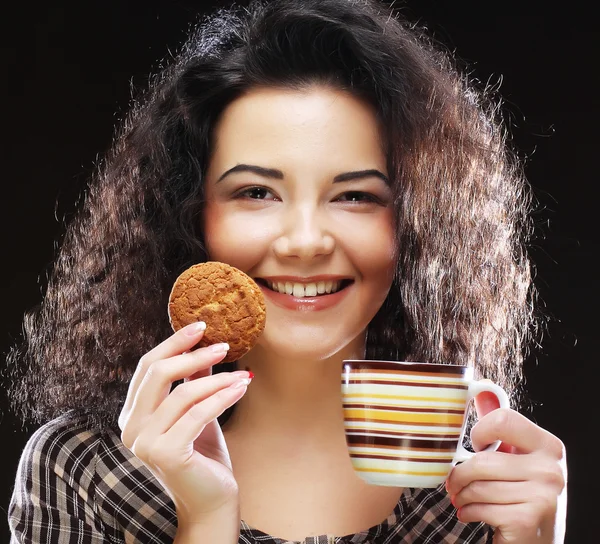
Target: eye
[[358, 197], [255, 193]]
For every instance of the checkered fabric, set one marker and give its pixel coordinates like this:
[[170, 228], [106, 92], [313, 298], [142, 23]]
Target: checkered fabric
[[77, 484]]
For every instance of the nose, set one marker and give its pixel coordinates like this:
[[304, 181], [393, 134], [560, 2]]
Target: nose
[[305, 235]]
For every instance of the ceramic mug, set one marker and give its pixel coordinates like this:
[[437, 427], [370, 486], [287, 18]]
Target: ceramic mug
[[405, 421]]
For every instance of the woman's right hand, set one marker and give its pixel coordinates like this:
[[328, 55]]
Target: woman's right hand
[[176, 434]]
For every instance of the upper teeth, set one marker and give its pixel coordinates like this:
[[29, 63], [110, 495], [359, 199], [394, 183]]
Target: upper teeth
[[304, 289]]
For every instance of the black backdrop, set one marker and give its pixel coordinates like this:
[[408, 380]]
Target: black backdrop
[[67, 71]]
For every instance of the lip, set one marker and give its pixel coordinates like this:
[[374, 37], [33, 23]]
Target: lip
[[305, 304]]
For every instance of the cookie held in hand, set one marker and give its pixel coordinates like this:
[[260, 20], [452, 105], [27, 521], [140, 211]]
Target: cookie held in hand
[[226, 299]]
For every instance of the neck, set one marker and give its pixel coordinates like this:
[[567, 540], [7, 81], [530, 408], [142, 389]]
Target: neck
[[297, 399]]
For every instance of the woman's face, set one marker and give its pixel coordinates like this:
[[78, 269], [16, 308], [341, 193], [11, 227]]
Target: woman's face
[[297, 197]]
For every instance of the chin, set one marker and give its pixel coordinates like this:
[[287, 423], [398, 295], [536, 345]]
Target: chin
[[315, 345]]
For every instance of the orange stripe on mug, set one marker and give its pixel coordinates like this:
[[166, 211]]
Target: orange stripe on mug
[[404, 472], [455, 400], [411, 418]]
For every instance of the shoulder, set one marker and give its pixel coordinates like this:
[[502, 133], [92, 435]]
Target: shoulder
[[65, 439], [74, 460], [62, 452], [81, 452]]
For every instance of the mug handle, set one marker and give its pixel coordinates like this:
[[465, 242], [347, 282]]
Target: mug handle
[[476, 387]]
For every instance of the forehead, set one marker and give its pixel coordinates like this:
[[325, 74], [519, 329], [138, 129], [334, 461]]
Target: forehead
[[321, 124]]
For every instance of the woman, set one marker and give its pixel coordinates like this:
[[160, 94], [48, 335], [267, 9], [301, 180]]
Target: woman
[[303, 142]]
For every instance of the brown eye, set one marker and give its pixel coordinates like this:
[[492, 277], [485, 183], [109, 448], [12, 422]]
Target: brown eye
[[255, 193], [358, 197]]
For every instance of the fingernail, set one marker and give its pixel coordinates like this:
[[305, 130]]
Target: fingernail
[[452, 500], [458, 514], [243, 374], [446, 486], [244, 382], [219, 348], [194, 328]]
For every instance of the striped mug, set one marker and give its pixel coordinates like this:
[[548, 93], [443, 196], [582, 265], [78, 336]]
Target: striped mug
[[405, 422]]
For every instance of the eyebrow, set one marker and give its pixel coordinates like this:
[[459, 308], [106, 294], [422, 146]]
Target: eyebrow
[[273, 173]]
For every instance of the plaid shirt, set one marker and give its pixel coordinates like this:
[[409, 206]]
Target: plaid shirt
[[79, 485]]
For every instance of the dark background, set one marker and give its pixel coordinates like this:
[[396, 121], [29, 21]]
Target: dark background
[[67, 73]]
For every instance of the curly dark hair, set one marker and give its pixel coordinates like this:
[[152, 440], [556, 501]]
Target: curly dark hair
[[462, 293]]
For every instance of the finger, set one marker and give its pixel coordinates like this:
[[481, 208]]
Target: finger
[[485, 403], [187, 394], [511, 428], [183, 340], [157, 382], [161, 375], [189, 427], [179, 342], [506, 467], [493, 491], [489, 466]]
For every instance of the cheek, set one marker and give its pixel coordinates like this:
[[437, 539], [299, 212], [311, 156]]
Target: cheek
[[234, 237], [371, 243]]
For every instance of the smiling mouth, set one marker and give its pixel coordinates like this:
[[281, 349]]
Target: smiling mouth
[[304, 290]]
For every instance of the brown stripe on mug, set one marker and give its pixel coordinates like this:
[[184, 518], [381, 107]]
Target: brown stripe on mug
[[413, 384], [425, 375], [406, 448], [409, 435], [420, 368], [410, 443], [402, 458]]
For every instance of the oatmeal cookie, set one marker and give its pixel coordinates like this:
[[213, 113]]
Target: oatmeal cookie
[[226, 299]]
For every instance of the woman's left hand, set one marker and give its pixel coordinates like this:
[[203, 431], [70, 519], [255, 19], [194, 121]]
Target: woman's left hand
[[519, 489]]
